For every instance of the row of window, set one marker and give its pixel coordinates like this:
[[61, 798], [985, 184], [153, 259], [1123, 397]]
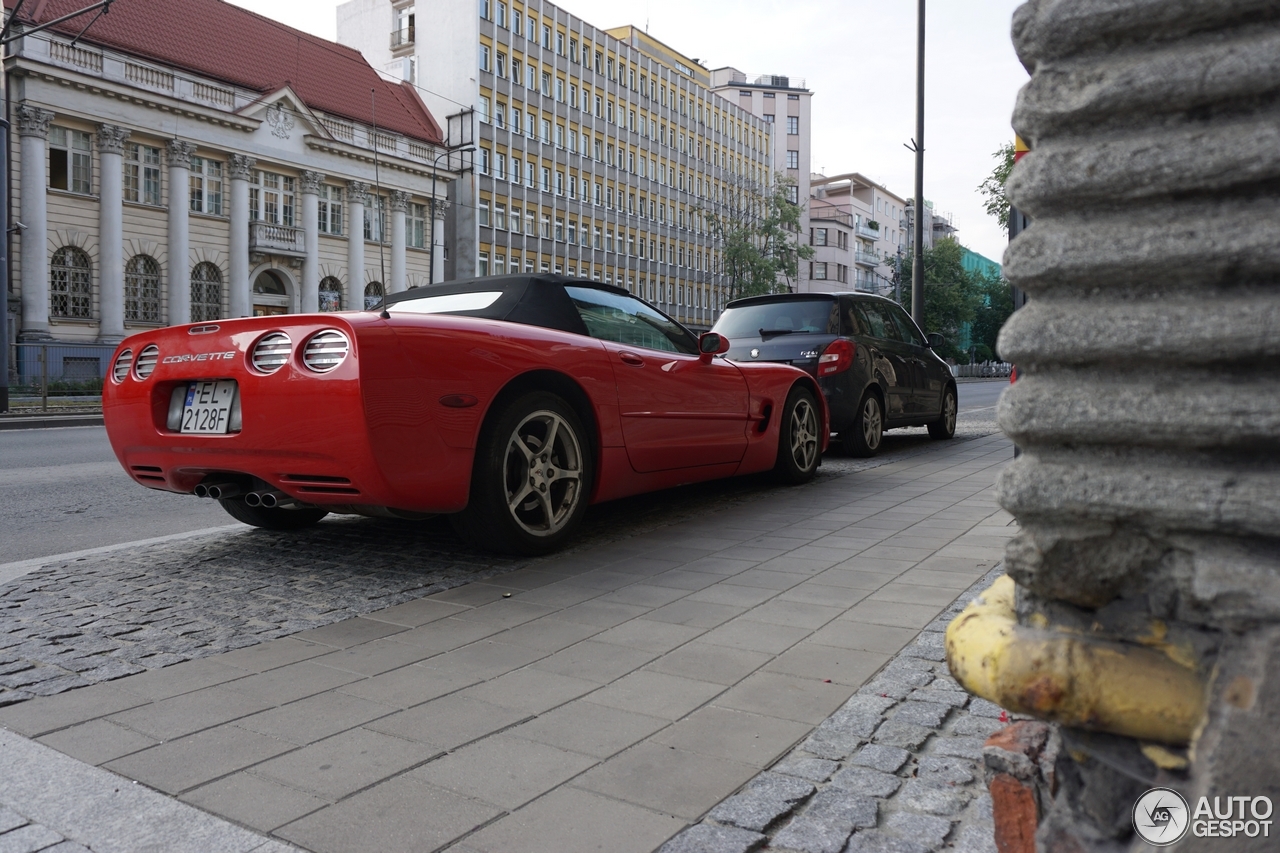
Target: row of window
[[658, 289], [590, 235], [613, 68], [71, 288], [820, 271], [822, 237], [272, 196]]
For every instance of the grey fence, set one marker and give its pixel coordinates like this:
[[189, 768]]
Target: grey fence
[[58, 375], [985, 369]]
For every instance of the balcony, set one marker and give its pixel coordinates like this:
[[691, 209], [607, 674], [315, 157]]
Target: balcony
[[276, 239], [831, 215], [870, 233], [402, 38], [866, 259]]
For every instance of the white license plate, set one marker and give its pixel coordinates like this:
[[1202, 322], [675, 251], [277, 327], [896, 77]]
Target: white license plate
[[207, 408]]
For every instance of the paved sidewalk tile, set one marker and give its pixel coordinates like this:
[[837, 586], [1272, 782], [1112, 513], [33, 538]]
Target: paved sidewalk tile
[[619, 693]]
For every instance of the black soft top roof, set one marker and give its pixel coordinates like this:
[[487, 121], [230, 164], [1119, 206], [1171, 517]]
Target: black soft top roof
[[533, 300]]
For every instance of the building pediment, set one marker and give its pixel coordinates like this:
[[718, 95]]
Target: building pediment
[[284, 115]]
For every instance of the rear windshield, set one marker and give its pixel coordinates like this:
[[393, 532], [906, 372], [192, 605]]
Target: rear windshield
[[791, 316]]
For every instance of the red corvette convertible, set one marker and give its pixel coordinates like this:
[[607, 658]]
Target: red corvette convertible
[[510, 403]]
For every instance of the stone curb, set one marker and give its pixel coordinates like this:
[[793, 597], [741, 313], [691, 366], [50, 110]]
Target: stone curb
[[47, 421], [52, 799]]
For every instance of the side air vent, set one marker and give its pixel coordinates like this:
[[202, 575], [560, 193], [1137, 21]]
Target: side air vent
[[146, 363], [120, 370], [271, 352], [326, 350]]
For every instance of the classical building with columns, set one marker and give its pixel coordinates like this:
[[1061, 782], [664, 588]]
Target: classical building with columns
[[188, 162]]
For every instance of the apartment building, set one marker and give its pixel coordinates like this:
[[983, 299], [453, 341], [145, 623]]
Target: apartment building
[[877, 226], [597, 151], [160, 182], [785, 103]]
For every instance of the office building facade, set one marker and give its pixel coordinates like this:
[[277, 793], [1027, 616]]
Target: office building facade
[[598, 152]]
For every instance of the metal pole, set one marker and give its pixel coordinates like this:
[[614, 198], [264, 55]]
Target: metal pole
[[917, 253], [4, 243], [44, 377]]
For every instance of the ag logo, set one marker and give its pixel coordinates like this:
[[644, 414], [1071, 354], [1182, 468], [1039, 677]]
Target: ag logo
[[1160, 817], [755, 353]]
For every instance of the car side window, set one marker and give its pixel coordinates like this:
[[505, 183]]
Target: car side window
[[854, 322], [906, 326], [624, 320], [879, 323]]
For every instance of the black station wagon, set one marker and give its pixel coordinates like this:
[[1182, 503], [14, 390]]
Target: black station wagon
[[870, 359]]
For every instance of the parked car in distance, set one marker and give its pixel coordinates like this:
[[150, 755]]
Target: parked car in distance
[[509, 403], [875, 367]]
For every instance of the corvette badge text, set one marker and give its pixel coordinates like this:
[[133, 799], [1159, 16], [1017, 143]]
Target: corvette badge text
[[204, 356], [1161, 817]]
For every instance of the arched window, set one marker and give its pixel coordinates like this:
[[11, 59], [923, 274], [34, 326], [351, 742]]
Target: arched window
[[372, 294], [206, 292], [330, 294], [71, 284], [142, 289]]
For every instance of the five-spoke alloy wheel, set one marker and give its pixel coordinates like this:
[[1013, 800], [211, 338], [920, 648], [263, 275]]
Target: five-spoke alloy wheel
[[945, 426], [800, 444], [863, 438], [531, 480]]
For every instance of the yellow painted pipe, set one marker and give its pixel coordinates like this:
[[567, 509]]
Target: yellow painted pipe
[[1078, 681]]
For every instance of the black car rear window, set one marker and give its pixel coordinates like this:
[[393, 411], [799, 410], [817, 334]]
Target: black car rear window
[[791, 316]]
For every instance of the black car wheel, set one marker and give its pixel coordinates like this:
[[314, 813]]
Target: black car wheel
[[273, 517], [863, 438], [799, 445], [531, 480], [945, 426]]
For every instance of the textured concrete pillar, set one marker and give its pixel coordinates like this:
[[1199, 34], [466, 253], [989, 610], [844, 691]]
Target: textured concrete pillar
[[111, 232], [309, 185], [240, 169], [179, 272], [357, 197], [399, 205], [1148, 403], [33, 130]]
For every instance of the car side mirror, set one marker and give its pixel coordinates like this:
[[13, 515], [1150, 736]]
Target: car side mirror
[[712, 344], [936, 341]]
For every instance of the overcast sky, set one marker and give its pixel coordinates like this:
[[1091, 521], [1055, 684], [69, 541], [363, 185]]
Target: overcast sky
[[858, 58]]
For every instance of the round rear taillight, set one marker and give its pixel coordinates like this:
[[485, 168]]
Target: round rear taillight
[[120, 370], [146, 363], [325, 350], [271, 352]]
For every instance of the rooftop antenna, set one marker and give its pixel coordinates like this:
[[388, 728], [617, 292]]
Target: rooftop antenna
[[377, 183]]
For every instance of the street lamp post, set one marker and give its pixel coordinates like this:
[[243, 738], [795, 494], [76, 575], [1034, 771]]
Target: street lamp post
[[436, 247], [917, 253]]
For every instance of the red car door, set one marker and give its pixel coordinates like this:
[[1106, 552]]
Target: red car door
[[677, 411]]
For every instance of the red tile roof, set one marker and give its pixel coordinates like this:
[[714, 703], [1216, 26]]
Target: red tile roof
[[216, 39]]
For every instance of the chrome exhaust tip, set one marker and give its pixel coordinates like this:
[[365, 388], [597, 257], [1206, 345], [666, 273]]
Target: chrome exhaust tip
[[219, 491], [253, 499], [271, 500], [201, 491]]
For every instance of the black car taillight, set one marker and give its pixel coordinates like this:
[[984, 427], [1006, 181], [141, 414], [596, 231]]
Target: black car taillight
[[837, 357]]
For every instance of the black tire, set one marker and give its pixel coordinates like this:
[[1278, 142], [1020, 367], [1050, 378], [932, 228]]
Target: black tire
[[867, 433], [945, 426], [799, 439], [272, 518], [526, 498]]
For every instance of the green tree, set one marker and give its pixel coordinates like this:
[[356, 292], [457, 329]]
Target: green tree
[[995, 307], [997, 203], [757, 231], [952, 295]]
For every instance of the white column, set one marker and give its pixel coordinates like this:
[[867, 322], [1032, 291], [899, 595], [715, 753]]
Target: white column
[[309, 183], [399, 204], [438, 208], [357, 195], [111, 233], [240, 169], [179, 235], [33, 128]]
